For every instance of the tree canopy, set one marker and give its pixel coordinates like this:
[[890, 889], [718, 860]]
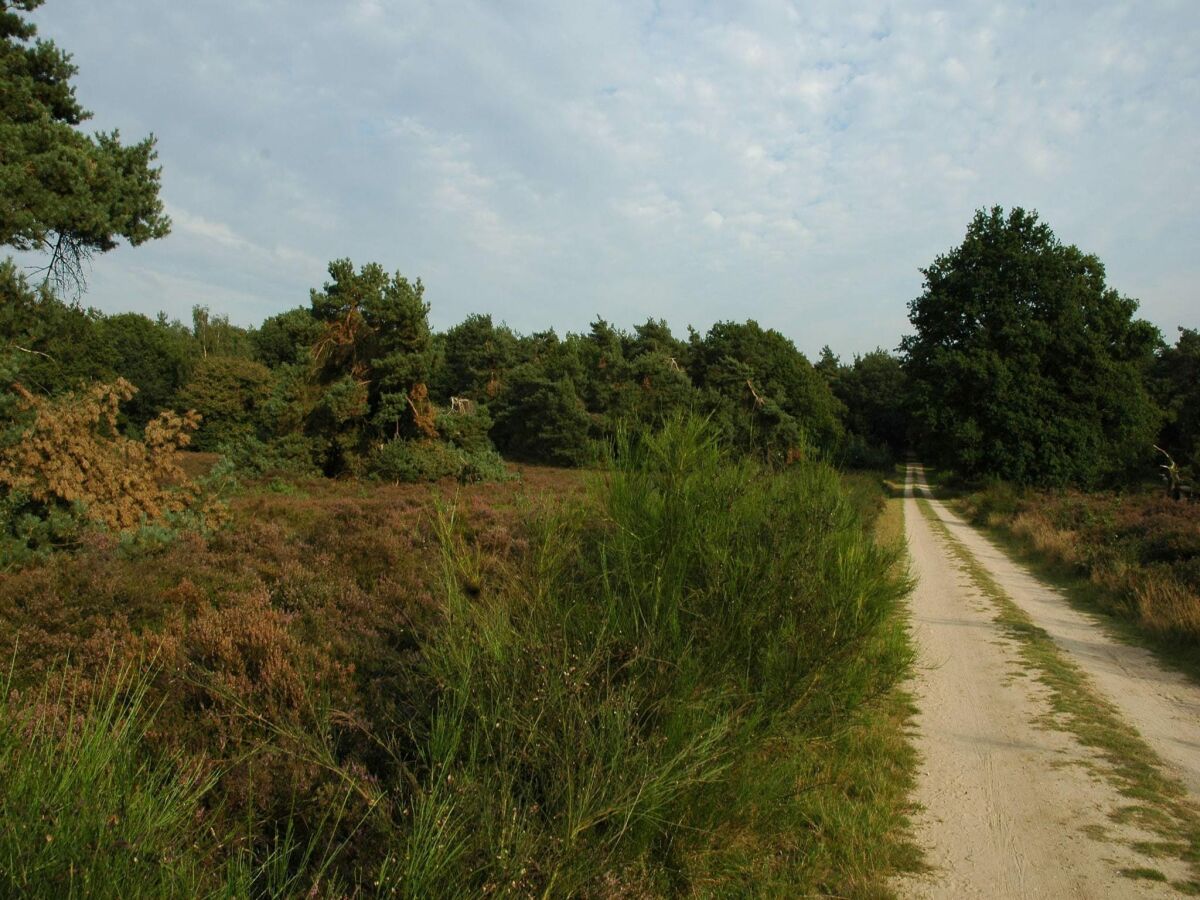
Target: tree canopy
[[1024, 363], [62, 191], [1176, 385]]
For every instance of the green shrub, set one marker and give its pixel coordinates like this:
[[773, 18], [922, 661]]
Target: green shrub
[[483, 465], [997, 501], [416, 461], [292, 454], [594, 712], [413, 461], [467, 431], [30, 531]]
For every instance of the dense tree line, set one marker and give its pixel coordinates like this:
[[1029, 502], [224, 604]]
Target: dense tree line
[[325, 387], [1024, 364]]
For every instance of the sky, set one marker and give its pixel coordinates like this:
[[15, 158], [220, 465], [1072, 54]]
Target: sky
[[551, 162]]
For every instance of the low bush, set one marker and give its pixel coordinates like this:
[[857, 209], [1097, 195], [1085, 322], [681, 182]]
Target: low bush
[[292, 454], [467, 431], [596, 716], [996, 502], [404, 462], [407, 462]]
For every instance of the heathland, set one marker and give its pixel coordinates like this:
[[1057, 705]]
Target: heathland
[[342, 605]]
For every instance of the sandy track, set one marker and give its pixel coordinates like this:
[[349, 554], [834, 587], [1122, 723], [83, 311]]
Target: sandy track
[[1005, 812]]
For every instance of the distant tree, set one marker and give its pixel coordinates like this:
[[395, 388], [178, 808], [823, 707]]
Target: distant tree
[[64, 192], [230, 395], [829, 365], [286, 339], [1025, 364], [155, 357], [215, 335], [374, 356], [873, 393], [765, 393], [541, 418], [475, 356], [607, 387], [49, 346], [1176, 386], [654, 336]]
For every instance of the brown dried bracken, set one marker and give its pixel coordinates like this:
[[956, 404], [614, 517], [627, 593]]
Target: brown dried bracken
[[72, 452], [422, 410]]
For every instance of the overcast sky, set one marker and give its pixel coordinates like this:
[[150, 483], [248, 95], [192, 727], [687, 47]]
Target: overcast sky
[[548, 162]]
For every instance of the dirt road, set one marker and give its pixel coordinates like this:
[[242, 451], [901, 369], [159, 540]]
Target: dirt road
[[1014, 805]]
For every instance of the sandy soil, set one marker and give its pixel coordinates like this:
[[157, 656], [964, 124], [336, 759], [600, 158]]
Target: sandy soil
[[1008, 810]]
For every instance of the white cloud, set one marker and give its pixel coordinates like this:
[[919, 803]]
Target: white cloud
[[793, 163]]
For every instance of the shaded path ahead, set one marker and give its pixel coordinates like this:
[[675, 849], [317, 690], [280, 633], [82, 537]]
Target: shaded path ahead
[[1012, 808]]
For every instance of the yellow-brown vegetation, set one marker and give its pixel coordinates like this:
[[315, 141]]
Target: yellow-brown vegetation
[[1140, 550], [71, 452]]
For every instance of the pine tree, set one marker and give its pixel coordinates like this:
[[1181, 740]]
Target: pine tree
[[62, 191]]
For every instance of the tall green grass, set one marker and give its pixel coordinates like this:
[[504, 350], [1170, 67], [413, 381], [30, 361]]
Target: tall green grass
[[698, 608], [83, 813]]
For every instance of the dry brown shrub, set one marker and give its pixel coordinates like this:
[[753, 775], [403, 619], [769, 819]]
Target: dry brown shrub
[[1167, 607], [424, 413], [1058, 544], [71, 452]]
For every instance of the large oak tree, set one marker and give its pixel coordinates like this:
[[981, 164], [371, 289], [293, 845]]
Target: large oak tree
[[1025, 364]]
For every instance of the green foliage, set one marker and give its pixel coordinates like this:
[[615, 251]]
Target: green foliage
[[82, 811], [407, 461], [291, 454], [475, 355], [229, 393], [286, 339], [65, 192], [1024, 364], [413, 461], [30, 531], [595, 715], [1176, 386], [154, 356], [370, 362], [467, 431], [873, 393], [50, 346], [766, 396], [542, 419], [484, 464], [215, 335]]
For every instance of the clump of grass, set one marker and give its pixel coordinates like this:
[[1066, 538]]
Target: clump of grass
[[83, 812]]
